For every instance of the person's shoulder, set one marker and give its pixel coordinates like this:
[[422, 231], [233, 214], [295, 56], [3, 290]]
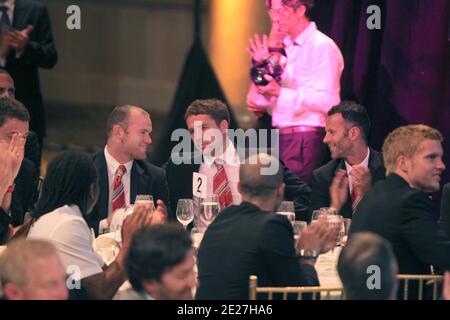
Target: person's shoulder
[[328, 169], [150, 168], [32, 3]]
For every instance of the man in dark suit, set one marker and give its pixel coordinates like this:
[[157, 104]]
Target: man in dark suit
[[399, 208], [354, 163], [213, 116], [27, 44], [14, 119], [129, 129], [250, 239]]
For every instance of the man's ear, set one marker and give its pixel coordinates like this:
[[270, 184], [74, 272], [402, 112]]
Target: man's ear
[[151, 287], [224, 125], [403, 163], [300, 11], [354, 132], [13, 292], [117, 131]]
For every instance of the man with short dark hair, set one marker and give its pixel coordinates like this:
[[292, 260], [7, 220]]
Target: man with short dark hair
[[308, 86], [160, 265], [250, 239], [215, 154], [355, 166], [124, 172], [365, 254]]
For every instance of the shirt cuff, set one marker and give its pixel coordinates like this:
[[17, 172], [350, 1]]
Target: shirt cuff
[[2, 62], [103, 226], [19, 54]]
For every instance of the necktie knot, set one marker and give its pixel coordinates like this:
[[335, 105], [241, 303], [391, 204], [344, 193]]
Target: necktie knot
[[3, 9], [121, 170]]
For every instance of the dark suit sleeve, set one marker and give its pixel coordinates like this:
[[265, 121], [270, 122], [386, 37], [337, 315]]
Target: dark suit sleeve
[[41, 50], [320, 191], [420, 230], [278, 253], [161, 192], [297, 191], [5, 220]]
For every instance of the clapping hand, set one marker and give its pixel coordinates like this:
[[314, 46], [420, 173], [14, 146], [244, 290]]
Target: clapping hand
[[339, 190]]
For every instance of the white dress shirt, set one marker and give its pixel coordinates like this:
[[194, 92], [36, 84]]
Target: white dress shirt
[[348, 168], [67, 230], [310, 83], [231, 162]]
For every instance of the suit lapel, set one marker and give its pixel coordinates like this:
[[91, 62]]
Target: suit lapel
[[103, 199], [139, 181], [376, 166], [347, 207], [18, 15]]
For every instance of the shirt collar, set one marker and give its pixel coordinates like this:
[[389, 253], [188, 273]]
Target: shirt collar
[[364, 163], [228, 157], [113, 164], [9, 4], [146, 296], [303, 37]]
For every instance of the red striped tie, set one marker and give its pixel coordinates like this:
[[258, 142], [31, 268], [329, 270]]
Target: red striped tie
[[221, 187], [118, 198], [356, 197]]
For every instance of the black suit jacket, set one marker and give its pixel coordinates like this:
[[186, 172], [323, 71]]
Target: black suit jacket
[[323, 176], [146, 178], [445, 209], [405, 217], [24, 192], [179, 178], [5, 220], [39, 53], [244, 241]]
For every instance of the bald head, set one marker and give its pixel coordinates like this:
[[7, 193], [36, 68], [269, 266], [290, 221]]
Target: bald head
[[260, 175]]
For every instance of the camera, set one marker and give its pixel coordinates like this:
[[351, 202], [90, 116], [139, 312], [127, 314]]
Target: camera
[[267, 66]]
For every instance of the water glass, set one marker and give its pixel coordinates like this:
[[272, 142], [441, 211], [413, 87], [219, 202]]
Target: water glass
[[210, 208], [286, 208]]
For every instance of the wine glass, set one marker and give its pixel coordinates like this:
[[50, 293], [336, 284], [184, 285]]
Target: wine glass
[[286, 208], [210, 208], [298, 227], [185, 211]]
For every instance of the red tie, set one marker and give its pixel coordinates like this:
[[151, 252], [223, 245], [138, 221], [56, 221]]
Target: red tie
[[118, 198], [221, 187], [356, 198]]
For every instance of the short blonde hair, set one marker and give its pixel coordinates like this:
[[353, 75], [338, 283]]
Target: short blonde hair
[[15, 258], [405, 141]]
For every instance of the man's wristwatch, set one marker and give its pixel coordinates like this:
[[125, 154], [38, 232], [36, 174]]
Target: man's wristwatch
[[308, 254]]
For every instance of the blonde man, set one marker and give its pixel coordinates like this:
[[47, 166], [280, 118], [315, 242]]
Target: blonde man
[[31, 270], [399, 208]]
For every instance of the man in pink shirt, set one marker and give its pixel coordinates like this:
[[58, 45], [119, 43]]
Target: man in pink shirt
[[308, 87]]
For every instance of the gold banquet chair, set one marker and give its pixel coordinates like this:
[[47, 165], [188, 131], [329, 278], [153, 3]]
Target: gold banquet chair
[[423, 281], [324, 293]]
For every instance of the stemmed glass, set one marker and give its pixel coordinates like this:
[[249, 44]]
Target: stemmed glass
[[185, 212], [210, 208]]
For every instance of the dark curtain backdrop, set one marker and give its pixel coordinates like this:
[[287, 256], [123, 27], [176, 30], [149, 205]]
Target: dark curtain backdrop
[[401, 72]]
